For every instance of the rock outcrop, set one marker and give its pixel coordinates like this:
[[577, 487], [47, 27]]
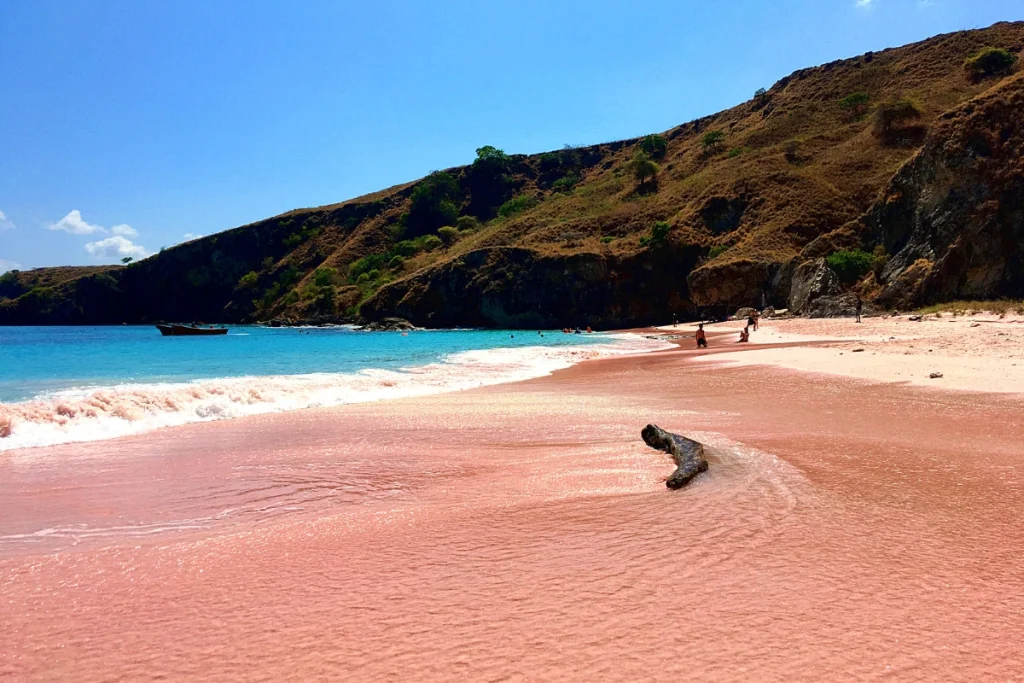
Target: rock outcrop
[[687, 454], [954, 215], [388, 325], [811, 280]]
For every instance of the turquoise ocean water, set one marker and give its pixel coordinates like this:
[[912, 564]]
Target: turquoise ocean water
[[37, 361], [62, 384]]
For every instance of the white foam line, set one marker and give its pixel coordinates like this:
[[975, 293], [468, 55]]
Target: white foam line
[[93, 414]]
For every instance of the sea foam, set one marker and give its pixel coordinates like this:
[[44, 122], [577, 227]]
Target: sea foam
[[96, 413]]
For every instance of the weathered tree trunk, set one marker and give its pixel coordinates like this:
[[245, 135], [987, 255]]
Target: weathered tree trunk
[[687, 453]]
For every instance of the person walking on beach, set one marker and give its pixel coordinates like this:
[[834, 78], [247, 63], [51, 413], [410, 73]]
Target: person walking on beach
[[757, 318], [702, 340], [751, 322], [860, 307]]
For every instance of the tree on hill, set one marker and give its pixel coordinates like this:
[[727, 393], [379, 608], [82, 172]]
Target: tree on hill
[[643, 168], [760, 98], [487, 181], [990, 61], [432, 205], [712, 141]]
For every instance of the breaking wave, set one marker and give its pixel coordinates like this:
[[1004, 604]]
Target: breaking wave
[[92, 414]]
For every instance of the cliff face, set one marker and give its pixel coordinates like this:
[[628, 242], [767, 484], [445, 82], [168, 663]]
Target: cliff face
[[515, 287], [954, 215], [743, 208]]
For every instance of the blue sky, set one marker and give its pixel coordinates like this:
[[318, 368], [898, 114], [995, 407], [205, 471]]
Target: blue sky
[[131, 125]]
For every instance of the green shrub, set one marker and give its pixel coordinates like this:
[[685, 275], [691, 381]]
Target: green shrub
[[712, 141], [248, 281], [990, 61], [735, 152], [850, 264], [760, 97], [565, 184], [373, 274], [658, 236], [654, 146], [468, 223], [307, 232], [325, 276], [517, 205], [289, 276], [406, 248], [431, 242], [360, 267], [892, 115], [856, 104], [396, 263], [607, 238], [268, 262], [291, 298], [363, 278], [549, 162], [448, 234], [718, 250]]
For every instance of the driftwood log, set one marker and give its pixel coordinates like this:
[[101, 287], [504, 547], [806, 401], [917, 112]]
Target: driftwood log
[[687, 453]]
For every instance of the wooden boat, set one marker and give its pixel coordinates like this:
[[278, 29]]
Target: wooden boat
[[190, 331]]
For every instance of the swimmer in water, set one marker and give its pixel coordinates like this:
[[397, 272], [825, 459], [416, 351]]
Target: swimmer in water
[[702, 340]]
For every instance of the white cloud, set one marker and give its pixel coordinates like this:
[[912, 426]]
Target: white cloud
[[8, 265], [193, 236], [864, 3], [74, 225], [5, 224], [116, 247], [125, 230]]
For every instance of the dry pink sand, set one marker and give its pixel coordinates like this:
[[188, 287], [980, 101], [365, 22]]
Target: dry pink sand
[[974, 353], [846, 531]]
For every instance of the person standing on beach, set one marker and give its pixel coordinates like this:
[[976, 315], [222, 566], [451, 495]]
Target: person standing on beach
[[860, 307], [702, 340]]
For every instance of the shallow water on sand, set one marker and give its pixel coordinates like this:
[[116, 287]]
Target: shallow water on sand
[[524, 533]]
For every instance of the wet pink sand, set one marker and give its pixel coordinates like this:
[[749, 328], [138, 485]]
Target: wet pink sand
[[846, 531]]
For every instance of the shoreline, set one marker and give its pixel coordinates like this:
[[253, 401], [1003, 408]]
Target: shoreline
[[98, 413], [523, 530]]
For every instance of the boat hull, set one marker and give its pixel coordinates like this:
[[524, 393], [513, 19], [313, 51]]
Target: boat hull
[[186, 331]]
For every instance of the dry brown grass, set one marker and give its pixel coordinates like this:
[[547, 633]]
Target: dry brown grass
[[806, 170], [999, 307]]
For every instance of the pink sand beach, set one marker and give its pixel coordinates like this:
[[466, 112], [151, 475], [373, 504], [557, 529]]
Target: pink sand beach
[[854, 525]]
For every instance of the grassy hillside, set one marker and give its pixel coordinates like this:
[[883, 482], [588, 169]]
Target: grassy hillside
[[718, 212]]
